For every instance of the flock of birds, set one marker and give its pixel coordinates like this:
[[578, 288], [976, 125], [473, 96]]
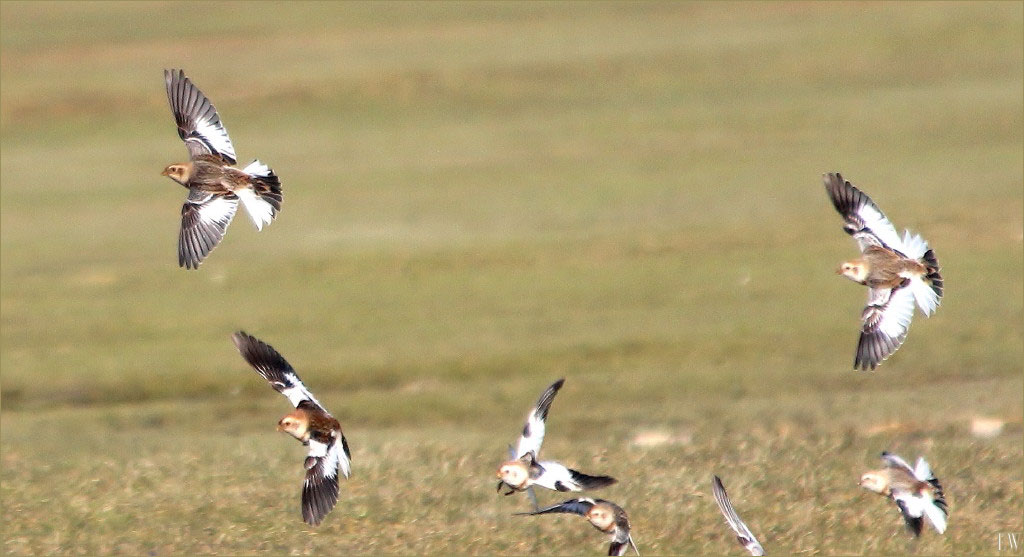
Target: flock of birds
[[900, 273]]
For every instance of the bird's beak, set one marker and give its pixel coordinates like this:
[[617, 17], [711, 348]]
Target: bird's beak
[[839, 270], [165, 173]]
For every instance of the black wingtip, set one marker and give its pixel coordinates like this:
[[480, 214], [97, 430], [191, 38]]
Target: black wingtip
[[587, 481], [546, 398]]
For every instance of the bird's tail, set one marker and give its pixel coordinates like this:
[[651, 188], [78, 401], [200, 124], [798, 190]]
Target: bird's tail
[[263, 201], [927, 288], [936, 510]]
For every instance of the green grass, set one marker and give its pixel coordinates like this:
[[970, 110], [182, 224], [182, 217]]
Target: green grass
[[480, 198]]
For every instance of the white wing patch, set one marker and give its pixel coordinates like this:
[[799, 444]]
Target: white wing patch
[[913, 505], [531, 443], [317, 449], [897, 314], [297, 393], [217, 136], [936, 516], [880, 226], [555, 473], [218, 210]]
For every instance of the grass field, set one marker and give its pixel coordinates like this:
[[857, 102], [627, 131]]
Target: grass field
[[481, 198]]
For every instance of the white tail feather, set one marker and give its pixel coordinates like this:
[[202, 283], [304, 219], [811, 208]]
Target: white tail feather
[[914, 245], [259, 210], [926, 298], [256, 168], [936, 516]]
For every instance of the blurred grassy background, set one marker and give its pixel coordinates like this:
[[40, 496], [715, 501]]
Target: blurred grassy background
[[483, 197]]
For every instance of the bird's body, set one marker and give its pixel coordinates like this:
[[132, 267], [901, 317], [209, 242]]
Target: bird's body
[[215, 186], [603, 515], [899, 273], [310, 423], [916, 491], [881, 267]]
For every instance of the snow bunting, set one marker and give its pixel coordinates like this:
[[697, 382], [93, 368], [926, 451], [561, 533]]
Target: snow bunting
[[214, 186], [897, 271], [603, 515], [523, 470], [916, 491], [743, 534], [309, 423]]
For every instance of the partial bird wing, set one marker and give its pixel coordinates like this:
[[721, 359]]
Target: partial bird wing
[[911, 511], [205, 218], [278, 372], [575, 506], [864, 220], [533, 431], [884, 325], [199, 125], [327, 456], [558, 477], [893, 461], [743, 534]]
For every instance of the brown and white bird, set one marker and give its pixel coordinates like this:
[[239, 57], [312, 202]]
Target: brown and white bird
[[916, 491], [523, 471], [743, 534], [603, 515], [897, 271], [309, 423], [214, 185]]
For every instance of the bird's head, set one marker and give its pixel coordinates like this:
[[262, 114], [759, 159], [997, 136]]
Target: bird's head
[[178, 172], [513, 473], [854, 270], [295, 426], [602, 517], [874, 481]]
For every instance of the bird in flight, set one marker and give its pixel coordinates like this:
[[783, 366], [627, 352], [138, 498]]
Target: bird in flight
[[743, 534], [603, 515], [214, 185], [523, 471], [916, 491], [309, 423], [897, 271]]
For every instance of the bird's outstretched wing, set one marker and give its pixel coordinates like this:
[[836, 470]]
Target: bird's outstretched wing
[[578, 506], [273, 367], [327, 457], [894, 461], [884, 325], [864, 220], [558, 477], [743, 534], [533, 430], [199, 125], [205, 218]]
